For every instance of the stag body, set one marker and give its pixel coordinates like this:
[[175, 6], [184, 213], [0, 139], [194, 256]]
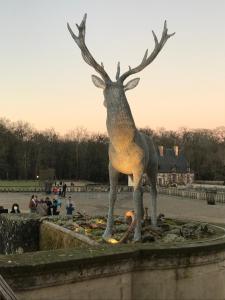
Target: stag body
[[130, 152]]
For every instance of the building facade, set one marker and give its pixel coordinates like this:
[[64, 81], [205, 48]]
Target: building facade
[[174, 169]]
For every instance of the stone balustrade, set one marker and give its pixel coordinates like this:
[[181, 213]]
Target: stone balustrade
[[219, 196], [171, 191]]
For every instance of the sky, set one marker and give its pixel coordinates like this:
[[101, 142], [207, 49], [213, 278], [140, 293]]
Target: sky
[[44, 80]]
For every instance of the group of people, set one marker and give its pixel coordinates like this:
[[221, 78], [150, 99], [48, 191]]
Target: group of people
[[60, 189], [49, 207], [14, 210], [45, 207]]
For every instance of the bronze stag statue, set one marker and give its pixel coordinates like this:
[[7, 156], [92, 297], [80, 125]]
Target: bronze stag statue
[[130, 151]]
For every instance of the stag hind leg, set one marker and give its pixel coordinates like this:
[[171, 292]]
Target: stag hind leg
[[113, 180], [138, 204], [152, 175]]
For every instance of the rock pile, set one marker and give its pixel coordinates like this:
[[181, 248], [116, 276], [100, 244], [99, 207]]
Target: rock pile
[[168, 231]]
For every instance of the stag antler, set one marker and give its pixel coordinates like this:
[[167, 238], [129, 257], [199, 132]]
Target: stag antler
[[88, 58], [147, 60]]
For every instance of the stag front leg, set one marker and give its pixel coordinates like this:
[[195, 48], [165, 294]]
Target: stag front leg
[[138, 205], [113, 180]]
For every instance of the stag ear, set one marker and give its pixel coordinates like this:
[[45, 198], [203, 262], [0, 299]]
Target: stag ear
[[131, 84], [98, 81]]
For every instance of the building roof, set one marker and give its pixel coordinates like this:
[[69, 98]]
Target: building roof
[[169, 162]]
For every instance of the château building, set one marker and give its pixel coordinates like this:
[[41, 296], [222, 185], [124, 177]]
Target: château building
[[174, 168]]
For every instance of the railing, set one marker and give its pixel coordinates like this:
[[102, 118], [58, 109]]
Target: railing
[[172, 191], [98, 188], [83, 188], [193, 194], [6, 292], [22, 189]]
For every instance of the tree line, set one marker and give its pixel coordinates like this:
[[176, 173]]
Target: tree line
[[81, 155]]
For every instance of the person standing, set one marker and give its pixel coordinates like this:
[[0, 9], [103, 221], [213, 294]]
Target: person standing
[[55, 207], [49, 206], [70, 207], [15, 209], [64, 190], [32, 204], [59, 202], [42, 208]]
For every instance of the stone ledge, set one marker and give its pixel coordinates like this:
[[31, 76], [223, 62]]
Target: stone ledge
[[53, 236], [49, 268]]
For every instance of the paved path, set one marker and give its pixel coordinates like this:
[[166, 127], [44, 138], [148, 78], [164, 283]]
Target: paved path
[[97, 203]]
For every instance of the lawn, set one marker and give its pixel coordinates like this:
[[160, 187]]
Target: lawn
[[38, 183], [19, 183]]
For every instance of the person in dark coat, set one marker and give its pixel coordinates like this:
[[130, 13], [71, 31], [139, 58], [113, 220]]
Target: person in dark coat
[[49, 205], [54, 207], [64, 190], [69, 209]]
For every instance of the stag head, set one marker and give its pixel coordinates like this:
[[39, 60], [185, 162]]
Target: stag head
[[115, 89]]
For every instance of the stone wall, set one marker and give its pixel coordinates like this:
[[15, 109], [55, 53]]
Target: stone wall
[[135, 272], [53, 236], [19, 233]]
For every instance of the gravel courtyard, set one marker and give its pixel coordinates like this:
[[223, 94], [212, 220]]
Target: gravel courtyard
[[97, 203]]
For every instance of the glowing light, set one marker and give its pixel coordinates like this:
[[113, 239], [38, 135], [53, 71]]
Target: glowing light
[[112, 241], [87, 231], [100, 221], [129, 213]]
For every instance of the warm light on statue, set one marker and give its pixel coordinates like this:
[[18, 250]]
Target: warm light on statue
[[130, 151]]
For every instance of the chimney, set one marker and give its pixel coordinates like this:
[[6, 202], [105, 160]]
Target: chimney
[[160, 150], [176, 150]]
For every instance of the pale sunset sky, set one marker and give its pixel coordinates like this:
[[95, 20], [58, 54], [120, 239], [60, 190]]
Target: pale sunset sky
[[44, 80]]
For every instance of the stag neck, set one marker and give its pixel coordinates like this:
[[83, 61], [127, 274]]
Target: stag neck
[[120, 125], [121, 136]]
